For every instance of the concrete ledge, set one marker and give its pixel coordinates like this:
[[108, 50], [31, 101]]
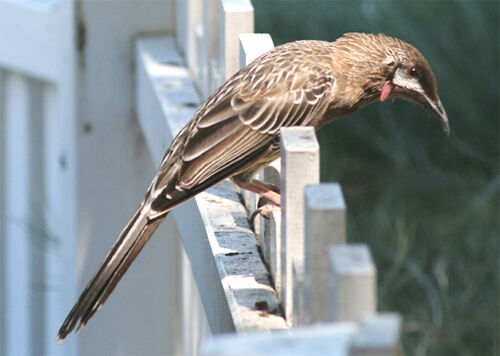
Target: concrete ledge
[[223, 250], [324, 339]]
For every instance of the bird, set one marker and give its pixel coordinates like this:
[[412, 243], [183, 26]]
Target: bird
[[236, 132]]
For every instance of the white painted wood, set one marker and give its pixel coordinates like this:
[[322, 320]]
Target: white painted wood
[[195, 327], [325, 224], [60, 184], [28, 32], [200, 69], [17, 283], [271, 175], [188, 17], [353, 282], [59, 214], [216, 78], [378, 335], [252, 45], [236, 17], [44, 31], [35, 222], [299, 312], [328, 339], [273, 225], [299, 167], [211, 44]]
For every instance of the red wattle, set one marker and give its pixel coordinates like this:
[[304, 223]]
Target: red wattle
[[386, 91]]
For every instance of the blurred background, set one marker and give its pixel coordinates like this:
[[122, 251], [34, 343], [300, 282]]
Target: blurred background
[[427, 204]]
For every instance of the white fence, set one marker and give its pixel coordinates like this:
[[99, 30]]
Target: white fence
[[71, 131], [37, 175]]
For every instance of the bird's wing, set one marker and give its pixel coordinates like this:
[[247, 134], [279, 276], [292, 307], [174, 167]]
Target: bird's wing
[[235, 127]]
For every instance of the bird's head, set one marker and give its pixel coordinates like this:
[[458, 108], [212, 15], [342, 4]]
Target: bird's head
[[398, 69], [411, 78]]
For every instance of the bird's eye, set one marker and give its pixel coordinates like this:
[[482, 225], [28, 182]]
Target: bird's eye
[[412, 72]]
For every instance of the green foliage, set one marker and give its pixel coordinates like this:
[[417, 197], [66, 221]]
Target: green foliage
[[427, 204]]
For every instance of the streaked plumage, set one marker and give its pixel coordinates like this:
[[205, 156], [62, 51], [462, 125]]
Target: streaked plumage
[[236, 131]]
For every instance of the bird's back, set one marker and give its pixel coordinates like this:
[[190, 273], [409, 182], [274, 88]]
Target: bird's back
[[237, 128]]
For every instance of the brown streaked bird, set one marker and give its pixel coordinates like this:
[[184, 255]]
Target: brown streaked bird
[[236, 131]]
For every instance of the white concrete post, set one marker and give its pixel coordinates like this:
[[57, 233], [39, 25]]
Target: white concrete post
[[211, 32], [188, 17], [273, 225], [236, 17], [378, 335], [200, 71], [299, 314], [252, 45], [353, 282], [299, 167], [325, 224], [270, 174], [327, 339]]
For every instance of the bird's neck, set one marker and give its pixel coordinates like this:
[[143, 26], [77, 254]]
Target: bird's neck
[[359, 76], [351, 93]]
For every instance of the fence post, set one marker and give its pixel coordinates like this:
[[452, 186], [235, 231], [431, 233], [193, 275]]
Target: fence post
[[236, 17], [325, 224], [252, 45], [211, 12], [299, 315], [378, 335], [268, 231], [353, 282], [299, 167], [188, 17]]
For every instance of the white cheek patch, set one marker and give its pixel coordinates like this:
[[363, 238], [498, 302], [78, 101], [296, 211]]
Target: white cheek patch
[[407, 82]]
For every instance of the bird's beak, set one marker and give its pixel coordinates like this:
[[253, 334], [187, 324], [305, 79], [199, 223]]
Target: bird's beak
[[437, 109]]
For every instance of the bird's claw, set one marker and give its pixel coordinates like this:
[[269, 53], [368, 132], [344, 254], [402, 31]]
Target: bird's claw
[[264, 208]]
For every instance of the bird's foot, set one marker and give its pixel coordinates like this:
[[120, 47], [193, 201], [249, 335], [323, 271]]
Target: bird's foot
[[269, 201], [264, 208]]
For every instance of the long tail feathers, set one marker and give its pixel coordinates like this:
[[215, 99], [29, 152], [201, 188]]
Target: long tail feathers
[[126, 248]]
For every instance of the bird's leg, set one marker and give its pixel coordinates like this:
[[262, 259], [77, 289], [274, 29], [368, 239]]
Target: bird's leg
[[266, 190], [270, 196]]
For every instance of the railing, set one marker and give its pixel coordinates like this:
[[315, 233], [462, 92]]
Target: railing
[[302, 272]]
